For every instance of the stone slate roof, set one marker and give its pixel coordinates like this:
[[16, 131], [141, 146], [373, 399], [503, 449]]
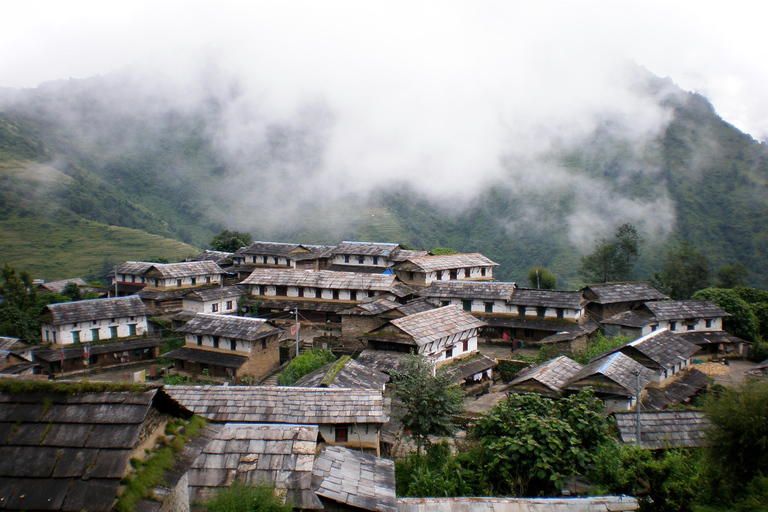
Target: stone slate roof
[[553, 374], [401, 290], [185, 269], [415, 306], [375, 307], [215, 293], [613, 293], [585, 328], [466, 369], [365, 269], [270, 248], [236, 327], [282, 454], [617, 368], [208, 255], [758, 370], [94, 309], [590, 504], [446, 262], [710, 337], [683, 309], [358, 479], [273, 404], [486, 290], [73, 351], [58, 286], [636, 319], [133, 268], [199, 355], [515, 322], [316, 252], [405, 254], [435, 324], [7, 342], [677, 392], [344, 373], [306, 304], [382, 360], [320, 279], [365, 248], [663, 347], [663, 429], [67, 452], [547, 298]]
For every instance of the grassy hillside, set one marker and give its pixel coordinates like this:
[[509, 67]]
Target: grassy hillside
[[37, 233]]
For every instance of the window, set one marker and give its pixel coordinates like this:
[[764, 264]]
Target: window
[[193, 280], [708, 323], [467, 303], [541, 312], [95, 322], [47, 333], [75, 336], [282, 291], [346, 258], [528, 333], [360, 260], [233, 344], [465, 345], [95, 333], [199, 341], [375, 260], [672, 326], [489, 307], [74, 324], [264, 259], [208, 280], [449, 353], [229, 304], [132, 329], [178, 283], [215, 342], [53, 335], [335, 294], [653, 327], [264, 344], [113, 332], [133, 279], [560, 313], [275, 260], [690, 327], [439, 275], [482, 271], [342, 434], [520, 310], [214, 308], [467, 273], [352, 295], [444, 303], [453, 275]]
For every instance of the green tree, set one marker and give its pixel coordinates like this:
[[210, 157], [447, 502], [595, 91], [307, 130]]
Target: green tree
[[542, 278], [742, 322], [248, 497], [428, 404], [613, 260], [683, 272], [230, 241], [443, 251], [531, 444], [439, 473], [304, 364], [72, 291], [731, 276], [736, 454]]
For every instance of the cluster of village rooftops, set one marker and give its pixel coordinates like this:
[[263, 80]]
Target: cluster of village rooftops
[[321, 440]]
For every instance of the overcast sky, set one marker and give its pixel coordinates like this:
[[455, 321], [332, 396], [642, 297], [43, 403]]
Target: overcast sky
[[713, 47]]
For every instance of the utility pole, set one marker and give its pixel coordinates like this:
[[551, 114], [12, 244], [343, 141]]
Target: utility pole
[[637, 409], [297, 332], [116, 294], [538, 286]]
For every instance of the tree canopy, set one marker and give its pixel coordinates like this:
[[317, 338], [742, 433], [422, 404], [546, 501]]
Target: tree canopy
[[743, 322], [542, 278], [428, 403], [230, 241], [613, 260], [683, 272]]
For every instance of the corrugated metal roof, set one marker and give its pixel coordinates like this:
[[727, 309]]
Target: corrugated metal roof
[[435, 324], [612, 293], [272, 404], [320, 279], [446, 262], [237, 327], [360, 480], [486, 290], [95, 309], [663, 429], [683, 309]]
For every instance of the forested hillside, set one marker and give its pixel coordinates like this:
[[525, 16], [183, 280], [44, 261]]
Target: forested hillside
[[109, 151]]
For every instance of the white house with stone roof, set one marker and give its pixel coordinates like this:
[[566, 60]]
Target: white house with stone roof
[[325, 285], [215, 300], [451, 267], [94, 320], [167, 276]]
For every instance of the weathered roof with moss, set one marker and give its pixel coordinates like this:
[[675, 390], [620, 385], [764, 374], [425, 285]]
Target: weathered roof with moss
[[62, 451], [663, 347], [282, 454], [232, 327], [663, 429], [94, 309], [344, 373], [291, 405], [436, 324], [358, 479]]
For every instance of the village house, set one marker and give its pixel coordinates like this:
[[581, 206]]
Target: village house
[[216, 300], [280, 255], [94, 320], [68, 448], [372, 314], [606, 300], [374, 258], [424, 270], [133, 276], [227, 348], [344, 417], [441, 334], [547, 378], [472, 296], [615, 379], [663, 352], [221, 258], [344, 373]]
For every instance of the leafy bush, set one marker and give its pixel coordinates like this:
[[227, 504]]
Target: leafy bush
[[247, 497], [438, 473], [304, 364], [743, 322], [597, 345]]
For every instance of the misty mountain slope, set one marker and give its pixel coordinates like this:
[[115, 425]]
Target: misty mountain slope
[[187, 166]]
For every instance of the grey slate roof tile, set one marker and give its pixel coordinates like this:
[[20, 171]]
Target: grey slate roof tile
[[683, 309], [663, 429], [437, 323], [237, 327], [663, 347], [431, 263], [617, 368], [95, 309], [553, 374], [547, 298], [320, 279], [351, 375], [487, 290], [613, 293]]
